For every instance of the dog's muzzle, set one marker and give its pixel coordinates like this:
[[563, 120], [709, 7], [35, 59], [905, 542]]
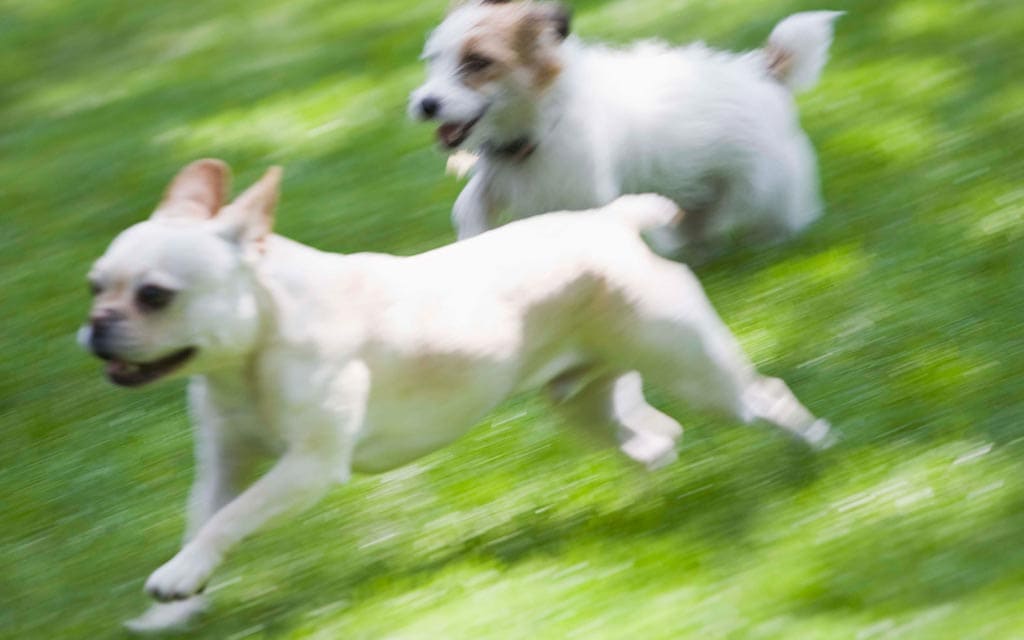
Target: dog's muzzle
[[136, 374], [99, 337], [451, 133], [429, 107]]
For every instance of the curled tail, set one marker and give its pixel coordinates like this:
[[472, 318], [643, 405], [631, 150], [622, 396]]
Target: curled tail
[[645, 212], [797, 48]]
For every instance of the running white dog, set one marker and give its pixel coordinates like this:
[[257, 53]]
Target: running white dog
[[340, 363], [560, 125]]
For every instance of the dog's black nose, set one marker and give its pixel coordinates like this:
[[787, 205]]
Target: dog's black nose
[[101, 323], [430, 106]]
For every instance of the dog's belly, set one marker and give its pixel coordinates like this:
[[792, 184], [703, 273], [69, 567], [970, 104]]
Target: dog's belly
[[409, 429], [423, 406], [428, 410]]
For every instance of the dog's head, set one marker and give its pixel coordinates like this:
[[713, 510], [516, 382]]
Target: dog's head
[[175, 294], [487, 57]]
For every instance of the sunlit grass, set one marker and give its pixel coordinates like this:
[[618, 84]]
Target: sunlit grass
[[897, 316]]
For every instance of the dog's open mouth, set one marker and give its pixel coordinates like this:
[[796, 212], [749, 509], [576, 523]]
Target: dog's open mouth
[[453, 134], [135, 374]]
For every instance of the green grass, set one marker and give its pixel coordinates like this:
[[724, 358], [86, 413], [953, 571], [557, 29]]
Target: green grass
[[898, 316]]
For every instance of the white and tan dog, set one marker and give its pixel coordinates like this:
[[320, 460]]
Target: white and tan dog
[[339, 363], [561, 125]]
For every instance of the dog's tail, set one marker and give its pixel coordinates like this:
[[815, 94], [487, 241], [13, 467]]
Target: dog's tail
[[797, 48], [645, 212]]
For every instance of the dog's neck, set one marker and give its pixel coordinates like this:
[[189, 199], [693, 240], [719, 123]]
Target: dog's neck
[[511, 131], [236, 373], [517, 150], [235, 379]]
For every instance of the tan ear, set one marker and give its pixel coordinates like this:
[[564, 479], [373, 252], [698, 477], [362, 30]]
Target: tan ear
[[544, 16], [541, 29], [250, 218], [198, 191]]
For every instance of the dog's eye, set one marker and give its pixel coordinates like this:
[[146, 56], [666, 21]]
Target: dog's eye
[[475, 63], [94, 288], [153, 298]]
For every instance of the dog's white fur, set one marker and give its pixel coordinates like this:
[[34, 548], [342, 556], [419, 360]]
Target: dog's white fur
[[339, 363], [717, 132]]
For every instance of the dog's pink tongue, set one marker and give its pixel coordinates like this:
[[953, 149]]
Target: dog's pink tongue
[[116, 367], [449, 133]]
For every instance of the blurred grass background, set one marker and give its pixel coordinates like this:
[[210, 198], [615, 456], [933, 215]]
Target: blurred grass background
[[898, 316]]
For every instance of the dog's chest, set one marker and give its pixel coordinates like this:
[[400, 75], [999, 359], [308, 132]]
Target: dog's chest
[[236, 411], [542, 184]]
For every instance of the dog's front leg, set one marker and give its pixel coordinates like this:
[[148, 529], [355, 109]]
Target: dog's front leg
[[227, 455], [473, 212], [322, 434], [298, 479], [225, 462]]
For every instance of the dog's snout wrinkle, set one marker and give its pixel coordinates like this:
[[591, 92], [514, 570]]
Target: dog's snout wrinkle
[[105, 316]]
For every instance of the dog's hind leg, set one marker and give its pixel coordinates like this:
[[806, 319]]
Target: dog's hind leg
[[714, 375], [693, 240], [728, 384], [771, 400], [782, 196], [611, 408], [682, 346]]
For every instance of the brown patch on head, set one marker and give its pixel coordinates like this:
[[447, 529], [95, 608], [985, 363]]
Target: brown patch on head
[[515, 37]]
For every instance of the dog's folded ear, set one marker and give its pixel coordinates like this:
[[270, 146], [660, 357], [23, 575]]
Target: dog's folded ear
[[250, 218], [561, 15], [198, 191], [554, 15]]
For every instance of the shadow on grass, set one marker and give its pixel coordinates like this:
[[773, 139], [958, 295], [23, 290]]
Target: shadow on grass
[[920, 567], [712, 506]]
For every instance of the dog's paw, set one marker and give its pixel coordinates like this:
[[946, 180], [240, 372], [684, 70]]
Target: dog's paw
[[651, 450], [820, 435], [461, 163], [184, 576], [167, 617]]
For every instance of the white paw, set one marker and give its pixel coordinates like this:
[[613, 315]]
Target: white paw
[[820, 435], [652, 451], [167, 617], [185, 575], [461, 163]]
